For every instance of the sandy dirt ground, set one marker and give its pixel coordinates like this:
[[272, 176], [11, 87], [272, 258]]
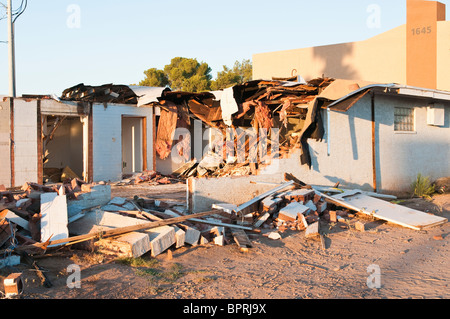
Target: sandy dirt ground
[[408, 264]]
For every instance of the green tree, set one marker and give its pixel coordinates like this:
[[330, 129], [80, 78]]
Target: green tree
[[244, 69], [188, 75], [225, 79], [155, 78], [240, 73]]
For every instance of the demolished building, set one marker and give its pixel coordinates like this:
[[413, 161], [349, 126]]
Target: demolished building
[[367, 135], [250, 138]]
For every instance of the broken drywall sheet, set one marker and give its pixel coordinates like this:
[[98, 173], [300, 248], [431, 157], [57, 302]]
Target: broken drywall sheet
[[390, 212]]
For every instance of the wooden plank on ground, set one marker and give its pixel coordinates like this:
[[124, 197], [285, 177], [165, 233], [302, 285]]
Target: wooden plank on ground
[[241, 239]]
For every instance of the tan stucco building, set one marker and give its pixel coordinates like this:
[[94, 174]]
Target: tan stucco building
[[416, 54]]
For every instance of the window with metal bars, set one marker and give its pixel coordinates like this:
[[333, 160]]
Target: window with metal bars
[[403, 119]]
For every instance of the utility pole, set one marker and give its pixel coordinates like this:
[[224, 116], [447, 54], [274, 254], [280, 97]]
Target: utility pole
[[12, 67]]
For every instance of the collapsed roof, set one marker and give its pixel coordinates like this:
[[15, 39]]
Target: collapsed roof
[[113, 93], [289, 105]]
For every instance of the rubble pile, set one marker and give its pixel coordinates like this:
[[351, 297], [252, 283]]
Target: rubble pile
[[149, 177], [291, 107], [38, 219]]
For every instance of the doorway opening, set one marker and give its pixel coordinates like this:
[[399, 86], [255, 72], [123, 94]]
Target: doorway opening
[[134, 145], [63, 150]]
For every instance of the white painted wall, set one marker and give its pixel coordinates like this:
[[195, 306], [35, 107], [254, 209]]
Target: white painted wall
[[403, 155], [107, 139], [5, 143], [25, 141]]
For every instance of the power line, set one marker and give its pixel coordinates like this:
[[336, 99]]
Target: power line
[[22, 9], [16, 12]]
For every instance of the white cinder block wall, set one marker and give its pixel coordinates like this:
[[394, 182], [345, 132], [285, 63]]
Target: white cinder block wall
[[5, 142], [25, 141], [401, 156], [107, 139]]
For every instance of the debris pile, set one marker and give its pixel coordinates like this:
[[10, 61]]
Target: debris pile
[[291, 206], [242, 117], [38, 219], [149, 177]]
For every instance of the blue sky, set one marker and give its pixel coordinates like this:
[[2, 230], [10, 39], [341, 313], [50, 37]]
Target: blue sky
[[115, 41]]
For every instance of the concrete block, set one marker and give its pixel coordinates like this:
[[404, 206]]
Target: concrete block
[[302, 221], [54, 218], [274, 235], [310, 205], [161, 238], [219, 240], [289, 213], [132, 245], [312, 230], [12, 217], [321, 206], [13, 285], [99, 195], [270, 204], [333, 216], [203, 240], [192, 235], [360, 226], [180, 237], [300, 195]]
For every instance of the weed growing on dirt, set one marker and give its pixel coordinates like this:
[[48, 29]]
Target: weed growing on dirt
[[149, 273], [422, 187], [92, 258], [137, 262], [155, 272], [175, 272]]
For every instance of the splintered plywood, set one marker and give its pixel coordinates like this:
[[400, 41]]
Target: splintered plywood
[[393, 213], [166, 130], [54, 218]]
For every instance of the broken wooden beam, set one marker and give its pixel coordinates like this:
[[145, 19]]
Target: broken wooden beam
[[241, 239]]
